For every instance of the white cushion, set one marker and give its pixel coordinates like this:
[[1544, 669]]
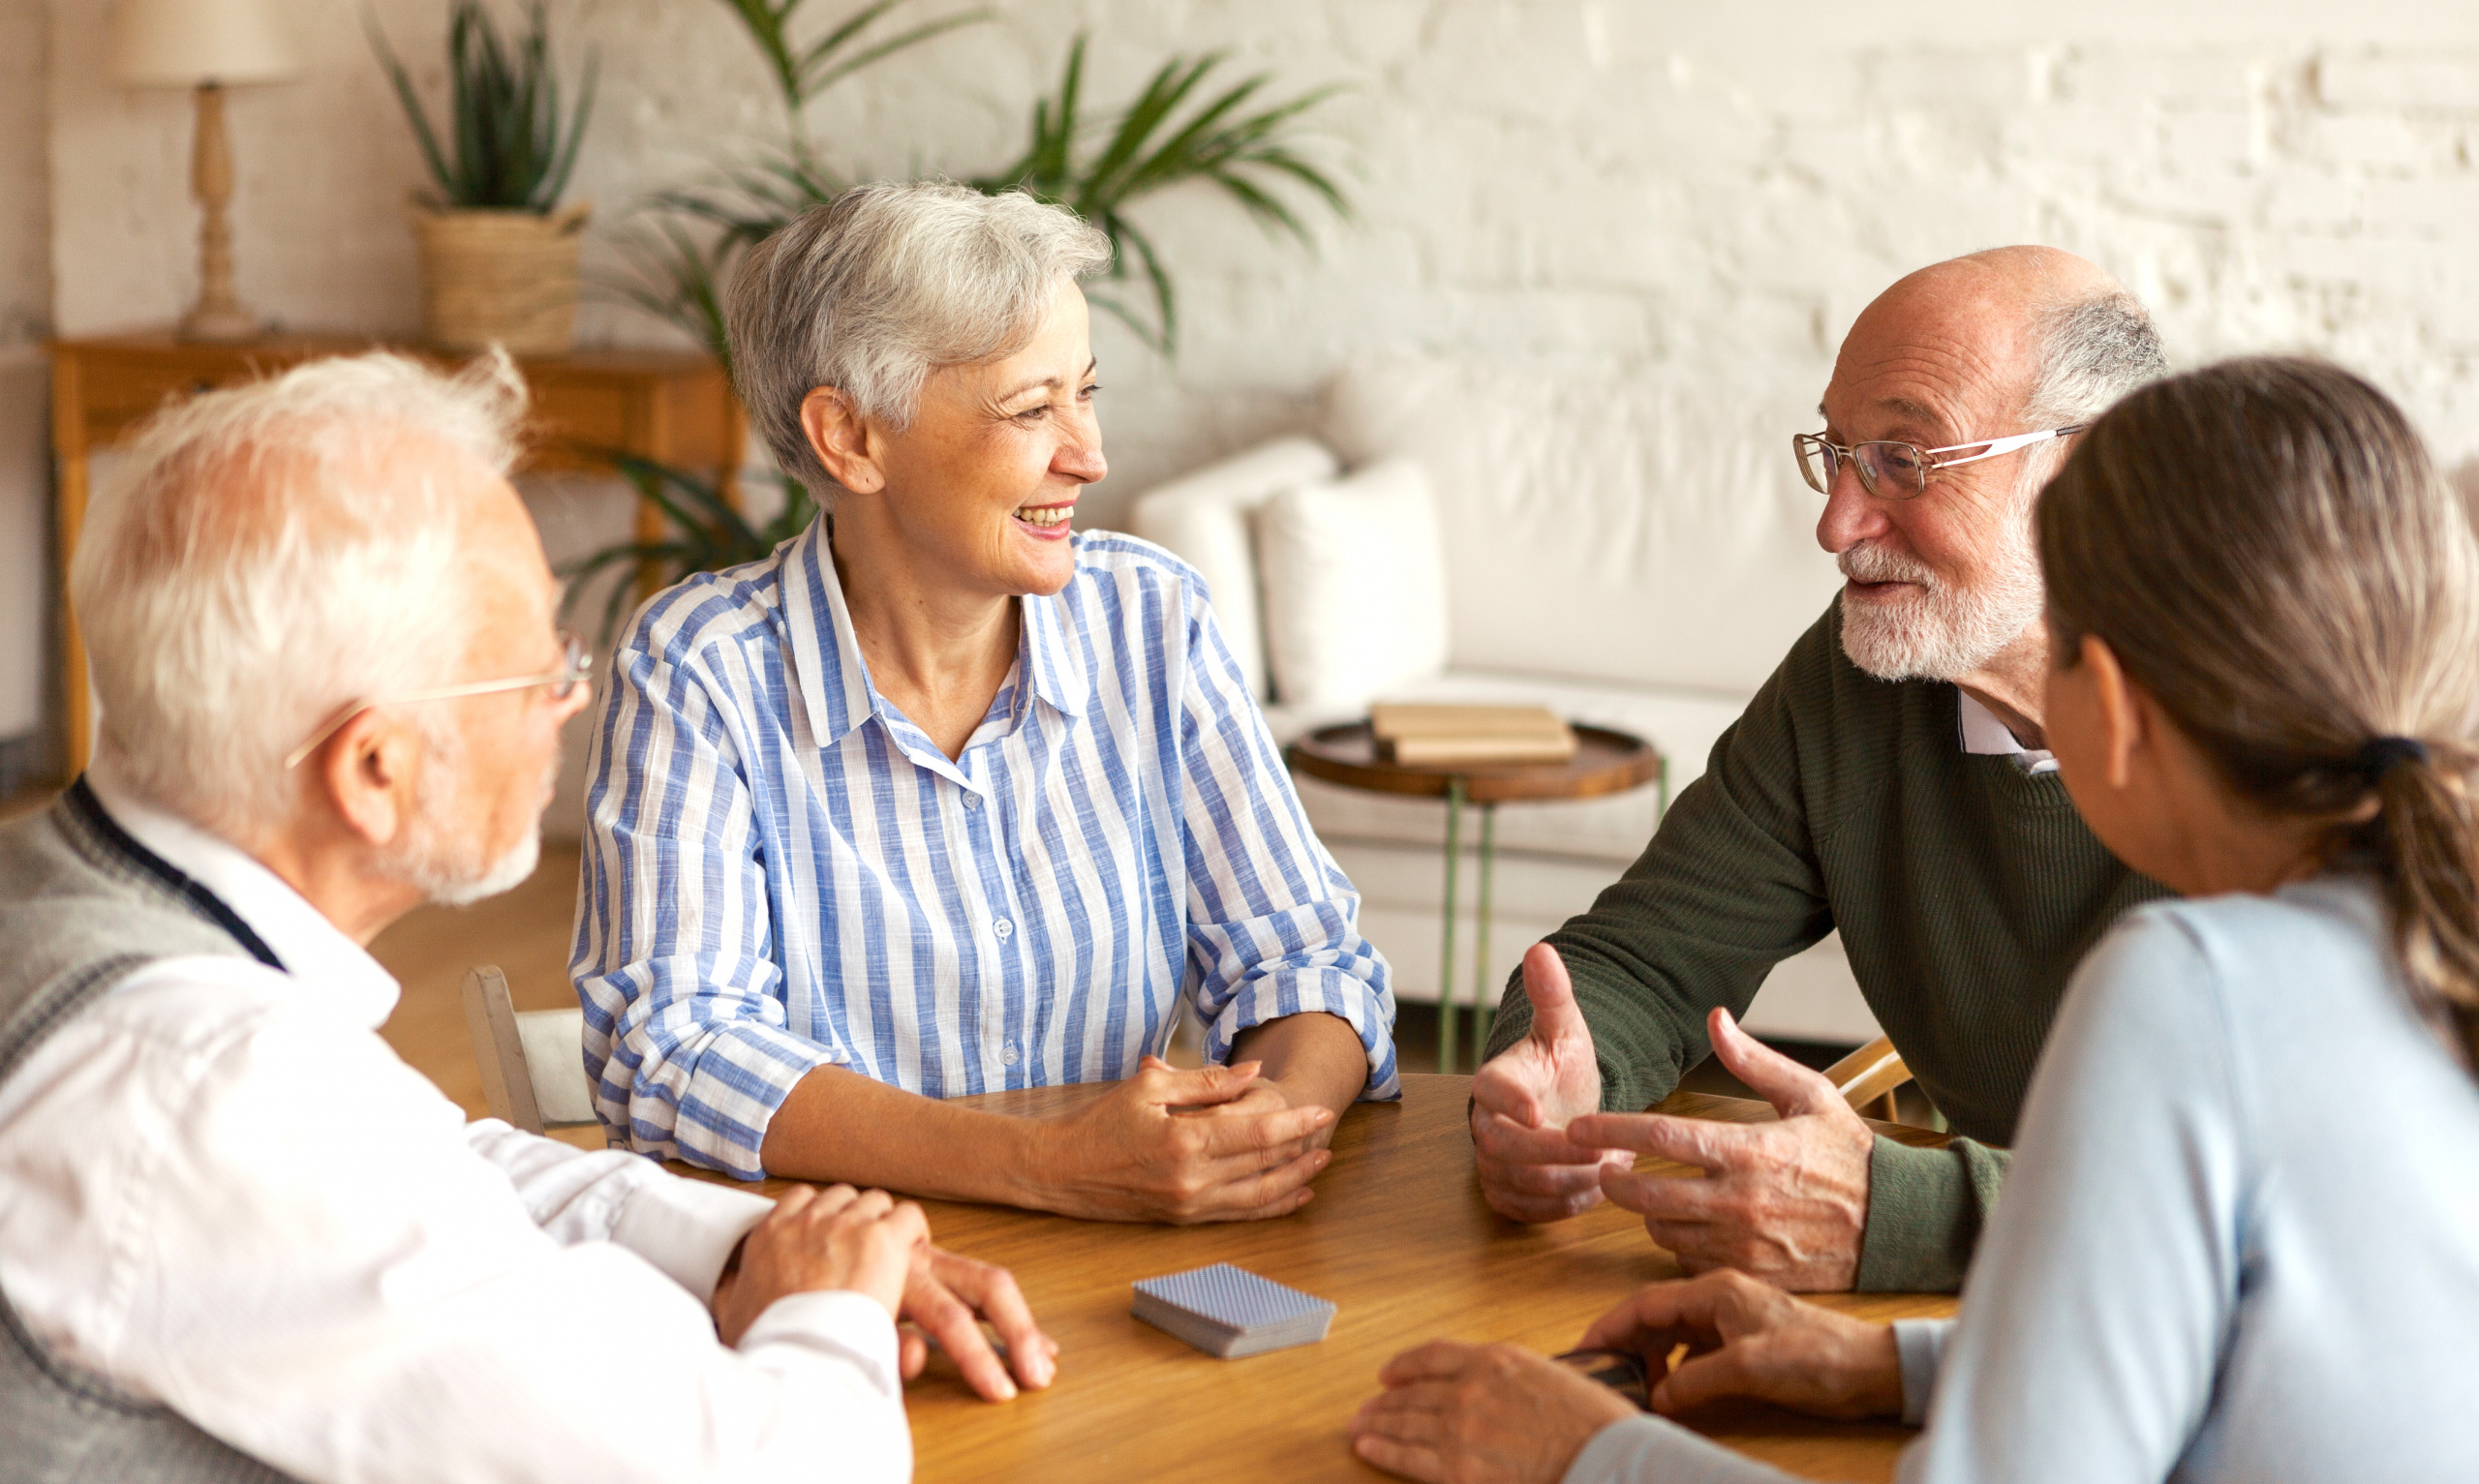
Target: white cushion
[[1355, 587], [1635, 529], [1203, 519]]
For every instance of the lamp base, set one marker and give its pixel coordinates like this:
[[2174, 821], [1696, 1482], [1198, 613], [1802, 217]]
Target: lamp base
[[224, 323]]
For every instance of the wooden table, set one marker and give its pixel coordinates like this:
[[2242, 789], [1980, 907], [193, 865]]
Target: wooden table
[[1607, 761], [673, 406], [1397, 1237]]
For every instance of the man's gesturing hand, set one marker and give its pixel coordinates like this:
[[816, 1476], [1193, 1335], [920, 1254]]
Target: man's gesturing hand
[[1745, 1338], [1785, 1201], [818, 1239], [1525, 1099], [1177, 1146]]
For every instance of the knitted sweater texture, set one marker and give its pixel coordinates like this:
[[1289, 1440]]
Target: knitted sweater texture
[[1965, 888]]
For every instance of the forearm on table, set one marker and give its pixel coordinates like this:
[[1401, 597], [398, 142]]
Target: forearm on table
[[1314, 1056], [837, 1125]]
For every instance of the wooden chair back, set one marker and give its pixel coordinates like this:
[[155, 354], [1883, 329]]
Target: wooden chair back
[[533, 1071], [1867, 1078]]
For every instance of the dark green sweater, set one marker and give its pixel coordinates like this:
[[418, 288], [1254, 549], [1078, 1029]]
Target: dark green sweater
[[1966, 891]]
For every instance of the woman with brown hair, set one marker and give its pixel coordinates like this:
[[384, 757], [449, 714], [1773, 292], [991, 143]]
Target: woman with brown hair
[[2241, 1239]]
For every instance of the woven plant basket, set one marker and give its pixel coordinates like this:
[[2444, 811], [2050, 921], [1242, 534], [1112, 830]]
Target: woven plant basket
[[506, 278]]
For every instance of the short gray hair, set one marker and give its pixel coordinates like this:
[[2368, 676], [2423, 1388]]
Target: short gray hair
[[2093, 352], [266, 563], [872, 291]]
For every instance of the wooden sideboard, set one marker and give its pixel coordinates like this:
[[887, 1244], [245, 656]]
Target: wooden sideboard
[[673, 406]]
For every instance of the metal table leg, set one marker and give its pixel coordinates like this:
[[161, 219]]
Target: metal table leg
[[1446, 941], [1484, 999]]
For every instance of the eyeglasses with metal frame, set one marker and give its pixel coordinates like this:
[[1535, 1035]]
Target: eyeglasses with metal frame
[[576, 667], [1892, 471]]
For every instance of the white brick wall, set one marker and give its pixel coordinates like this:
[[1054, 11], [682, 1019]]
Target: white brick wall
[[1714, 188]]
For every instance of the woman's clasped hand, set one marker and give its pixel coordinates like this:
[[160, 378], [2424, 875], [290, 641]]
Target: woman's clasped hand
[[1216, 1144]]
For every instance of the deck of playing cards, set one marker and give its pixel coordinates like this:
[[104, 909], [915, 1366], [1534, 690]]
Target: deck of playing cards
[[1231, 1312]]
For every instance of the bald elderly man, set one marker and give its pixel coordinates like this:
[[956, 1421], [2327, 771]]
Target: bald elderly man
[[1889, 781], [239, 1240]]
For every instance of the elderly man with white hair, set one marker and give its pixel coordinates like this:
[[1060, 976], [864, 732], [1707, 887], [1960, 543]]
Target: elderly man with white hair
[[1892, 780], [238, 1238], [946, 798]]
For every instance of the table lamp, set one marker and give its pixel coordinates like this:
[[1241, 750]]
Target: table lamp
[[209, 45]]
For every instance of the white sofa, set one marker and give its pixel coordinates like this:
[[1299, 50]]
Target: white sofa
[[1628, 550]]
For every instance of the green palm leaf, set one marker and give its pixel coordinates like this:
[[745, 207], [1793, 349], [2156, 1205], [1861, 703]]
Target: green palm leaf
[[1151, 147]]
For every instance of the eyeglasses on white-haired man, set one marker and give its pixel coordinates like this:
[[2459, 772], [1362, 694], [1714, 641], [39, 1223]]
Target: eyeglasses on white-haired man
[[238, 1237]]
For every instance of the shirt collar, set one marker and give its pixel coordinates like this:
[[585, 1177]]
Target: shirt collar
[[833, 678], [312, 949], [826, 660], [1983, 734], [1056, 662]]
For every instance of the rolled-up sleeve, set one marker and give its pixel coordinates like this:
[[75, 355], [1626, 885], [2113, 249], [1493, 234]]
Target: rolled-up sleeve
[[685, 1038], [1273, 923]]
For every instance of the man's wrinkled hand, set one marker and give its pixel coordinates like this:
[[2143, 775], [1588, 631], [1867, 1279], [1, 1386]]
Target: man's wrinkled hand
[[1785, 1201], [946, 1298], [1184, 1147], [1480, 1415], [1749, 1339], [819, 1240], [1525, 1098]]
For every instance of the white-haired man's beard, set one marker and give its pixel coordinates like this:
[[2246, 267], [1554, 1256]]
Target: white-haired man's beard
[[1942, 630], [442, 853]]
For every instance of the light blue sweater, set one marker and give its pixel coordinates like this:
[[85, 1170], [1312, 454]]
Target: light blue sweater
[[2239, 1241]]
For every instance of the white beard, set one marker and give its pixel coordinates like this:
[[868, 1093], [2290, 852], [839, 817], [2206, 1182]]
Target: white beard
[[1943, 631], [440, 855]]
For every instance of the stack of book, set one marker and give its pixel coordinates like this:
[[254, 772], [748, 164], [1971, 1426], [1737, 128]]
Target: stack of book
[[1445, 736]]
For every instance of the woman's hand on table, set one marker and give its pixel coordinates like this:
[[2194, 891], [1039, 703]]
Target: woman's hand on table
[[1480, 1415], [1180, 1146], [1749, 1339]]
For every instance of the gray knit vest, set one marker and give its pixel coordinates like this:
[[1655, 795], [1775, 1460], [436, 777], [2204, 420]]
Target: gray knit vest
[[81, 907]]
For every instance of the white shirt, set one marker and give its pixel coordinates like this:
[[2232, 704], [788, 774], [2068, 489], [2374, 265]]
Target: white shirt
[[1984, 734], [222, 1191]]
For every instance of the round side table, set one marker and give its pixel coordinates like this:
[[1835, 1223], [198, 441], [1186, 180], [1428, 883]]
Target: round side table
[[1606, 761]]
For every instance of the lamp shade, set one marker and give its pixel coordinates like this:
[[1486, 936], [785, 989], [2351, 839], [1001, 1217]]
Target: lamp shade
[[185, 43]]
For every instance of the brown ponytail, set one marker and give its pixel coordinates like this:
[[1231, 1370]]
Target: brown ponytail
[[2269, 551], [2425, 844]]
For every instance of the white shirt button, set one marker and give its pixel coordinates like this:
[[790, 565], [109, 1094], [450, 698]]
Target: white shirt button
[[1008, 1055], [1004, 928], [972, 800]]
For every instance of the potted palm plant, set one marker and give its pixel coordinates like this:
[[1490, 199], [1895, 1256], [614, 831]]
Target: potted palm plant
[[499, 253]]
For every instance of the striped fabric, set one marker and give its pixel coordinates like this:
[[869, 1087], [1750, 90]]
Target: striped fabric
[[783, 871]]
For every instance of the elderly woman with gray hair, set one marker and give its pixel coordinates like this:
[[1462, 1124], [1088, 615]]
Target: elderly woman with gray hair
[[943, 798]]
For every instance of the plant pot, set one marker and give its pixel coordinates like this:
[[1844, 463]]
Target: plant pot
[[506, 278]]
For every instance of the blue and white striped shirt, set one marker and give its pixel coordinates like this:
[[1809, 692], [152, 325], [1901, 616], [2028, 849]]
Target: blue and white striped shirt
[[783, 871]]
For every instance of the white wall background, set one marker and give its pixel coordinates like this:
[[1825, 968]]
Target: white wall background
[[1716, 189]]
